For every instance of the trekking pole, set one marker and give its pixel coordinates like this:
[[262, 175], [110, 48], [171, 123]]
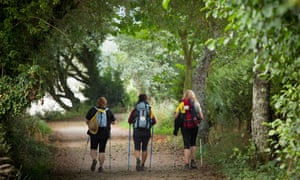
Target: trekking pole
[[201, 152], [151, 146], [129, 134], [87, 143], [174, 156], [110, 153]]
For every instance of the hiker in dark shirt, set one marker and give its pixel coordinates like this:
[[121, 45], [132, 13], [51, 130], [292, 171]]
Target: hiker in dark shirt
[[99, 119], [143, 119]]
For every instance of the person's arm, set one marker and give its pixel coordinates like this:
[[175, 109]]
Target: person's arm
[[200, 112], [177, 121], [90, 114], [131, 117], [111, 116], [152, 117], [178, 109]]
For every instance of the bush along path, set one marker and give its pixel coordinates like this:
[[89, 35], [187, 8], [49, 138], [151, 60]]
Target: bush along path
[[72, 159]]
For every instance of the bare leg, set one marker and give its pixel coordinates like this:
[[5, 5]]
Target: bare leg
[[137, 154], [93, 154], [193, 151], [193, 157], [144, 156], [187, 154], [138, 161], [101, 159]]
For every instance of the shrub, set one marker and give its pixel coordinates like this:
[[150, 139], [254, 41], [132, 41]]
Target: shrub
[[29, 149]]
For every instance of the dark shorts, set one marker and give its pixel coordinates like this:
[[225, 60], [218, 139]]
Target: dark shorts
[[141, 138], [189, 137], [99, 139]]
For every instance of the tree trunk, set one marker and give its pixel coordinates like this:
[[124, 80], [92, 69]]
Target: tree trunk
[[260, 114], [188, 55], [199, 87], [199, 79], [57, 98], [61, 89]]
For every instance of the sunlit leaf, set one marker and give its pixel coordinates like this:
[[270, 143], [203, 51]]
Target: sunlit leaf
[[165, 4]]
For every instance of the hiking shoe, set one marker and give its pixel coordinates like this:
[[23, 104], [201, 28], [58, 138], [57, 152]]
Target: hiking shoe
[[193, 164], [93, 167], [142, 168], [186, 167], [100, 169], [138, 165]]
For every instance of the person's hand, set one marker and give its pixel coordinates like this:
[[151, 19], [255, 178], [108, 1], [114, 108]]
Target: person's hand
[[175, 133]]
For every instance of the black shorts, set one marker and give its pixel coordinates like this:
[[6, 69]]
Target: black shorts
[[141, 138], [189, 137], [99, 139]]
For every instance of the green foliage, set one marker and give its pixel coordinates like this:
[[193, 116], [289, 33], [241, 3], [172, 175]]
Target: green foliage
[[29, 151], [235, 156], [131, 98], [229, 90], [178, 82], [287, 128], [4, 147], [243, 165], [146, 66], [16, 93], [271, 31], [182, 28], [108, 84], [219, 149], [165, 4], [114, 90], [22, 28], [37, 161], [164, 113]]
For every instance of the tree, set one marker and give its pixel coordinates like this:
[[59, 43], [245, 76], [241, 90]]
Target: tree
[[260, 114], [270, 30], [23, 28], [145, 65], [183, 20], [199, 85], [73, 51]]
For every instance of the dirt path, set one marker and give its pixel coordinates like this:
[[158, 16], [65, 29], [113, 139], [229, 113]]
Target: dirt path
[[71, 161]]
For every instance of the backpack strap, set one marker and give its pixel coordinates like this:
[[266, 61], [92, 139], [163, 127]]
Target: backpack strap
[[101, 110]]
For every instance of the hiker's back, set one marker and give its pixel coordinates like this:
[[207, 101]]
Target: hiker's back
[[190, 118], [142, 116]]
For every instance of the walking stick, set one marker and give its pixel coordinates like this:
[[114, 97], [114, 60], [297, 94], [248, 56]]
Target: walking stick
[[174, 151], [151, 146], [129, 134], [110, 153], [200, 152], [87, 143]]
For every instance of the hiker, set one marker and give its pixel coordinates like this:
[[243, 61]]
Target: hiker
[[143, 119], [189, 112], [99, 136]]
